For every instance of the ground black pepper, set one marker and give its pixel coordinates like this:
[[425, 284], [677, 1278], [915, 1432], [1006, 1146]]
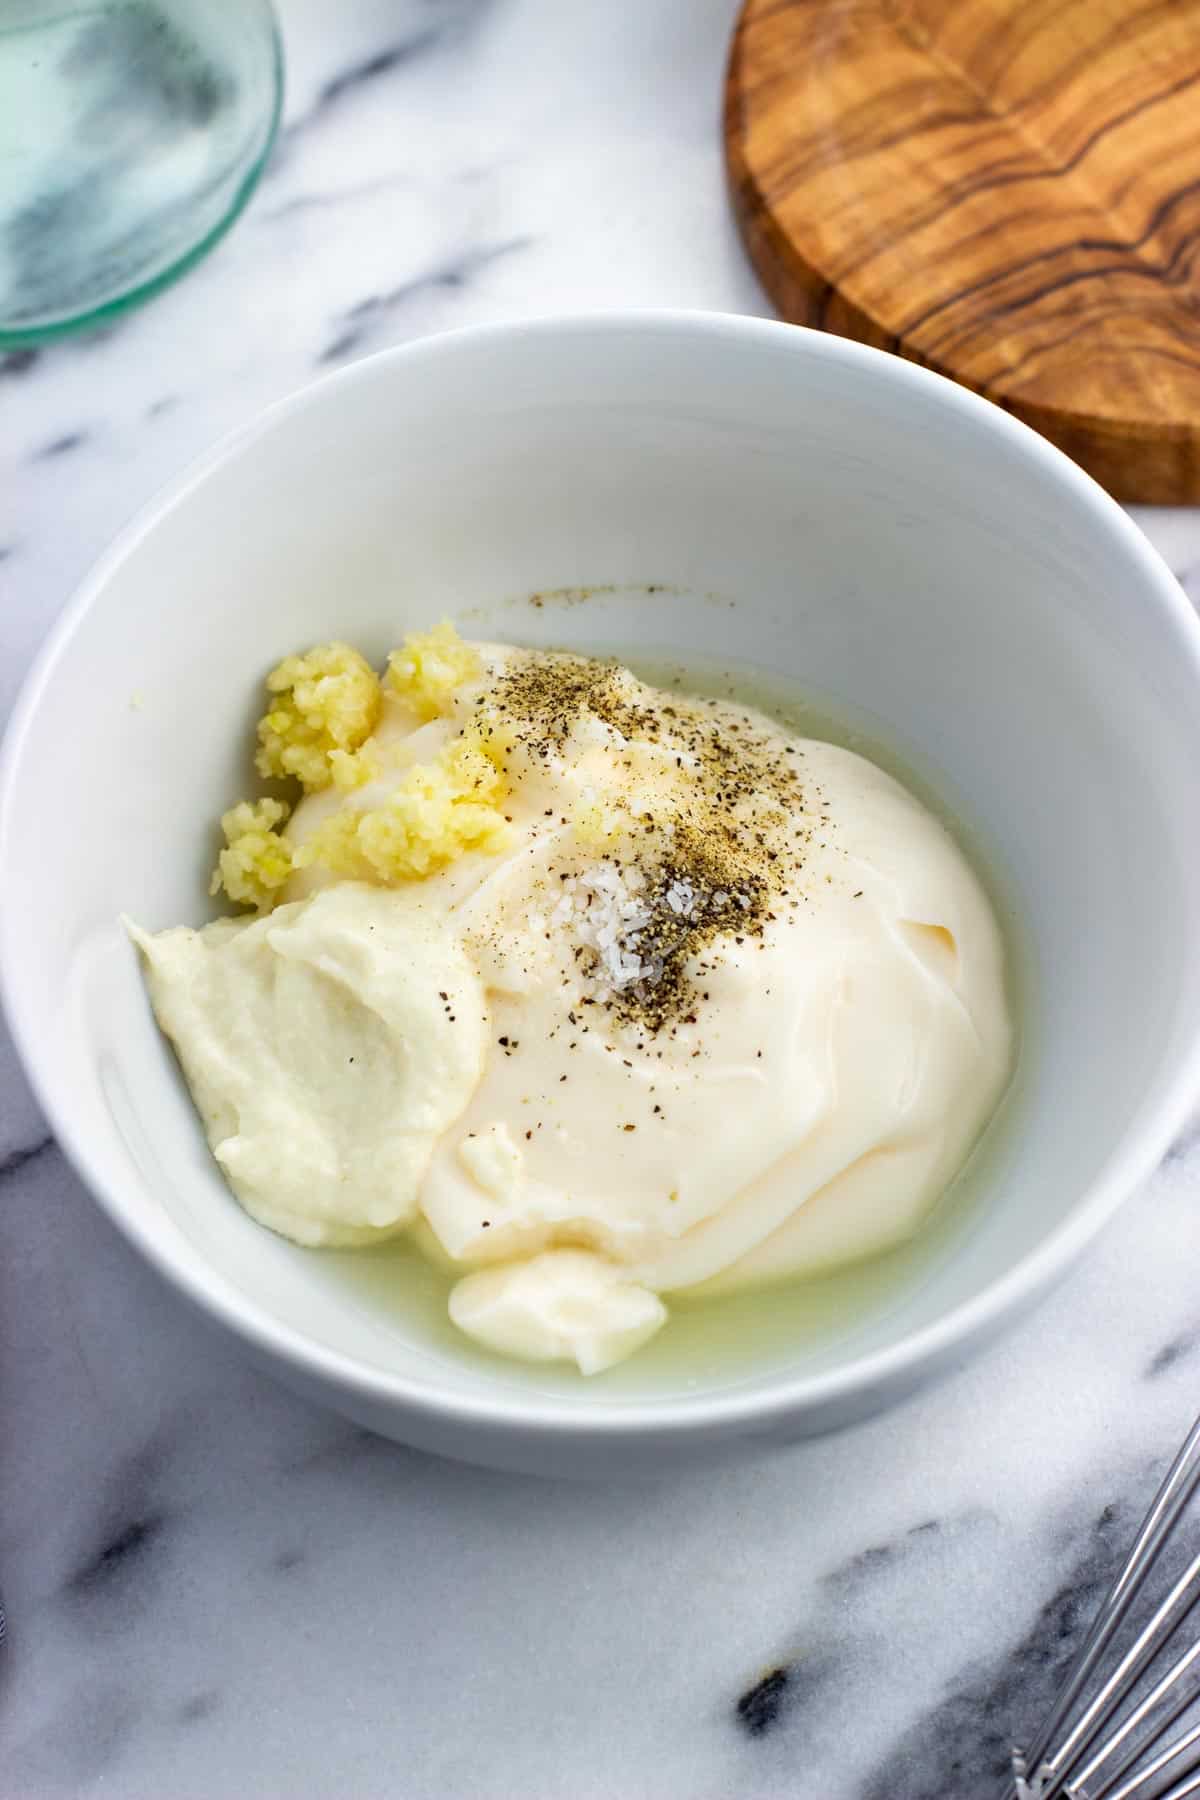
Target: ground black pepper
[[727, 837]]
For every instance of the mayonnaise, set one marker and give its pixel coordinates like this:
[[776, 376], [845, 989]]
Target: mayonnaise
[[683, 1003]]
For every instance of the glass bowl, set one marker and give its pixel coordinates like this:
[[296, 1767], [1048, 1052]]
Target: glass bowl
[[131, 136]]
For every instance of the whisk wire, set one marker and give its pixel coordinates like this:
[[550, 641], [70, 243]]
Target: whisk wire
[[1185, 1790], [1146, 1784], [1137, 1659], [1056, 1766], [1126, 1733]]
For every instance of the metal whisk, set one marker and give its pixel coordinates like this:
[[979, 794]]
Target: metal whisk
[[1117, 1744]]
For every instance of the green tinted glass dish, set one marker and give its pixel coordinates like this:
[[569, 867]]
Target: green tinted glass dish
[[131, 136]]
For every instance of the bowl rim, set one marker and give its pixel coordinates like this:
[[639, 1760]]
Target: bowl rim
[[752, 1406]]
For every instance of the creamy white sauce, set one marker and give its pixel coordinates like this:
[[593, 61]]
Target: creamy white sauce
[[822, 1088], [321, 1055]]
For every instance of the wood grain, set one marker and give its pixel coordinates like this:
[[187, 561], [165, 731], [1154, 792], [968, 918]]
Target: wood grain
[[1007, 191]]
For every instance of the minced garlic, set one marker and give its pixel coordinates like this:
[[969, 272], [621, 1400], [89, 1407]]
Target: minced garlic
[[354, 768], [326, 706], [429, 667], [439, 810], [256, 860], [318, 730]]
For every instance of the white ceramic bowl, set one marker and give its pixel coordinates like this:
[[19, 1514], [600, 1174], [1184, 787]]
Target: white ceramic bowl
[[904, 549]]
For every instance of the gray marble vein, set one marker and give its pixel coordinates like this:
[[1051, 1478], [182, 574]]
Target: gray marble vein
[[361, 322], [379, 62], [60, 446], [214, 1588], [13, 1161]]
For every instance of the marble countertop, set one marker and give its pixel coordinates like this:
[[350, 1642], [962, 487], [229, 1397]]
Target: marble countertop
[[215, 1589]]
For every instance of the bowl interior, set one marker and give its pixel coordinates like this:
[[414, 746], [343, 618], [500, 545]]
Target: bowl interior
[[710, 492]]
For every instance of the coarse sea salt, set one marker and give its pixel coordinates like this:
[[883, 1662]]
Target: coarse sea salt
[[605, 909], [681, 898]]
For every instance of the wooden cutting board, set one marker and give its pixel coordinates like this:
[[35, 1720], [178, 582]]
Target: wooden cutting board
[[1007, 191]]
